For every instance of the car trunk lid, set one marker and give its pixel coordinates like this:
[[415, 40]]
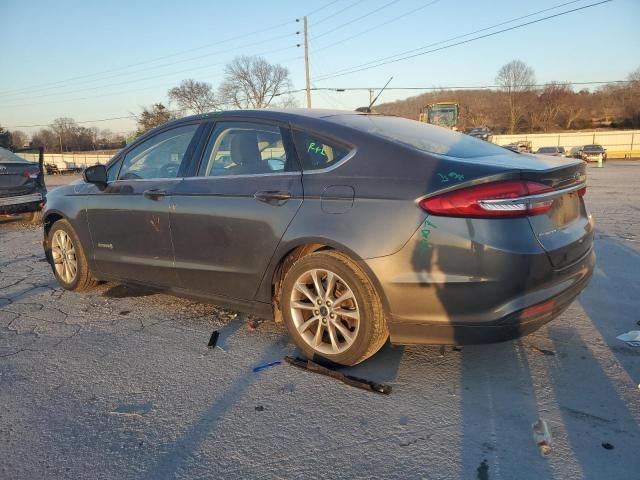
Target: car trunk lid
[[565, 231]]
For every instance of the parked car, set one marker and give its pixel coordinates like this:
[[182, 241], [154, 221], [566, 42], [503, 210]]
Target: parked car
[[523, 146], [483, 133], [575, 152], [593, 153], [553, 151], [22, 188], [349, 227]]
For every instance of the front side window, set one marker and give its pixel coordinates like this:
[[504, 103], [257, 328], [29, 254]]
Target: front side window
[[238, 148], [158, 157], [316, 152]]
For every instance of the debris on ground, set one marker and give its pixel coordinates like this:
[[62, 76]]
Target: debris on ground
[[125, 312], [259, 368], [348, 379], [259, 408], [213, 340], [631, 338], [607, 446], [542, 437], [252, 325], [549, 353]]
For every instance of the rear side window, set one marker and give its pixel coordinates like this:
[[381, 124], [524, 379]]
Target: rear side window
[[316, 152]]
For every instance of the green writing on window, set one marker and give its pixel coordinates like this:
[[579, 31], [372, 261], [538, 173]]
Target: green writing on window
[[316, 148]]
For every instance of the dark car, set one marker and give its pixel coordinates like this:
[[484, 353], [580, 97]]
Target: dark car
[[593, 153], [483, 133], [349, 227], [22, 188], [553, 151]]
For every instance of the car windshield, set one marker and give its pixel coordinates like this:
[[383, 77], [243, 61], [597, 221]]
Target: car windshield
[[548, 150], [592, 148], [421, 136], [7, 156]]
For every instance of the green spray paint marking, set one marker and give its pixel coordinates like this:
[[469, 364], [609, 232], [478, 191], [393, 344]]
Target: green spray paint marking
[[319, 149], [451, 175], [425, 231]]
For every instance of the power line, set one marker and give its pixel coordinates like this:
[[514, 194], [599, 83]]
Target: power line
[[181, 52], [381, 61], [150, 77], [355, 19], [25, 95], [335, 14], [458, 87], [376, 26], [345, 89]]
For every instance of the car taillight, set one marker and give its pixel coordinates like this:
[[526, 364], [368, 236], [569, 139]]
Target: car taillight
[[31, 172], [509, 198], [582, 192]]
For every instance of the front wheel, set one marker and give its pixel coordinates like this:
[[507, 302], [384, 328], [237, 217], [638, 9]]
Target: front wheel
[[332, 310], [67, 258]]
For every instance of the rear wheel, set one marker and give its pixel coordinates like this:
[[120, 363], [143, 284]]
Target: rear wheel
[[332, 310], [68, 258]]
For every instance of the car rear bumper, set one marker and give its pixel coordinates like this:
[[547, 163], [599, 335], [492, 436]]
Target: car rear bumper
[[21, 203], [474, 293]]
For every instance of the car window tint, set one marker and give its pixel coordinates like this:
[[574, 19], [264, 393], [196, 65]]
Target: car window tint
[[158, 157], [421, 136], [112, 171], [316, 152], [238, 148]]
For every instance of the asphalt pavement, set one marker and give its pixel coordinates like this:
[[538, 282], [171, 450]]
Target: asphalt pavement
[[119, 383]]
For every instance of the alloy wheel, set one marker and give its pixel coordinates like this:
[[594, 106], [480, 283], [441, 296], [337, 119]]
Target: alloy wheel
[[64, 256], [325, 311]]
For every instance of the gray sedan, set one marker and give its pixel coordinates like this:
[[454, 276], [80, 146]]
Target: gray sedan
[[351, 228]]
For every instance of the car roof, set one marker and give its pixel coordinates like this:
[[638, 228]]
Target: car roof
[[286, 114]]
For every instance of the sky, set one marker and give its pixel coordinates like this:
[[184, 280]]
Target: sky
[[92, 60]]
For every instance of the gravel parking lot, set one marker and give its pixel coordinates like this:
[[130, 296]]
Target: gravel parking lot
[[119, 383]]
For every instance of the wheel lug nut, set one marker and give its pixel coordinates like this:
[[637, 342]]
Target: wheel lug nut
[[324, 320], [316, 312], [319, 301], [328, 303], [333, 315]]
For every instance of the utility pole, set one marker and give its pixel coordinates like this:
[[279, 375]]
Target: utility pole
[[306, 62], [370, 96]]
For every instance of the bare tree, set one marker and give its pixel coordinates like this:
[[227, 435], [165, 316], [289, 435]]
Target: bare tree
[[252, 82], [515, 78], [197, 97], [63, 128], [18, 139], [153, 116]]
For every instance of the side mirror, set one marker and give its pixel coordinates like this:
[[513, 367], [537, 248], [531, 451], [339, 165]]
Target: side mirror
[[96, 174]]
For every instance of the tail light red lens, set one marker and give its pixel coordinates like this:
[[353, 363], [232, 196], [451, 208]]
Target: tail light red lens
[[488, 200], [31, 172], [582, 192]]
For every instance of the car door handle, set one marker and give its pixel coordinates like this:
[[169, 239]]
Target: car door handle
[[155, 193], [272, 196]]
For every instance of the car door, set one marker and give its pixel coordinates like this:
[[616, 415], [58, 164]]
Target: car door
[[129, 218], [227, 221]]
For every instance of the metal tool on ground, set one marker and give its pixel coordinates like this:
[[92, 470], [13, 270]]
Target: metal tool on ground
[[348, 379]]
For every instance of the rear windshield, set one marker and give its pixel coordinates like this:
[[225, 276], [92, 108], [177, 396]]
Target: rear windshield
[[548, 150], [593, 148], [421, 136], [9, 157]]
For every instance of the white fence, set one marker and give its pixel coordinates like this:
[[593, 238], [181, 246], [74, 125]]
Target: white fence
[[67, 161], [617, 143]]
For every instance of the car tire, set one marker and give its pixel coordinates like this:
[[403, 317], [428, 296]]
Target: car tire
[[343, 320], [63, 243]]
